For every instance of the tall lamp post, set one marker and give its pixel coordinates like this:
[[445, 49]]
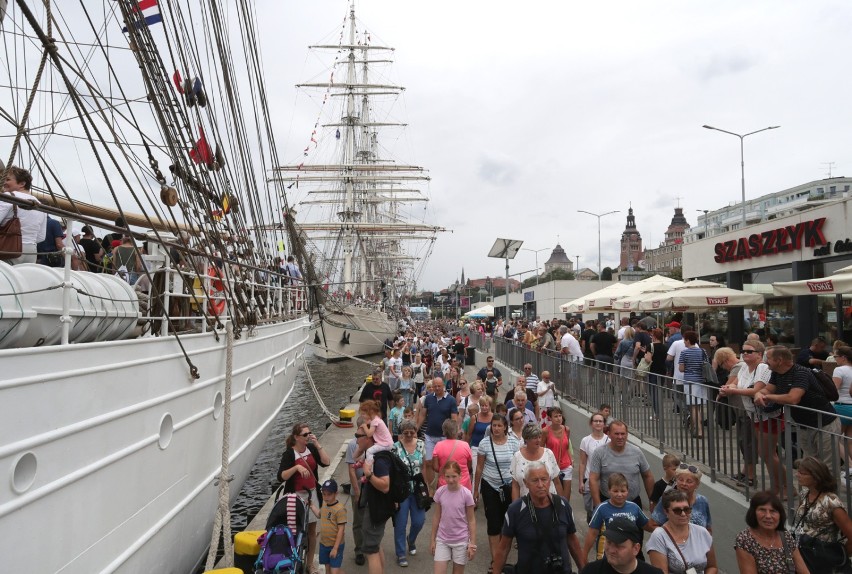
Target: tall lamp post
[[598, 215], [537, 275], [506, 249], [742, 157]]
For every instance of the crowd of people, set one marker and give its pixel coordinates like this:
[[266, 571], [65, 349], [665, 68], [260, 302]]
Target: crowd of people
[[504, 445]]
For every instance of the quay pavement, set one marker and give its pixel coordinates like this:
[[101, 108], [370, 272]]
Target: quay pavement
[[728, 507]]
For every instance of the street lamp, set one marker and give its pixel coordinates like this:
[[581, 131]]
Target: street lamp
[[577, 268], [705, 212], [742, 157], [506, 249], [536, 260], [598, 215]]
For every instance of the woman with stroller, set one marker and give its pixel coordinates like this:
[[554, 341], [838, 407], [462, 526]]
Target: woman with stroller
[[298, 470]]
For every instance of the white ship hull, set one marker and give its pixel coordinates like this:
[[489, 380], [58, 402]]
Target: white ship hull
[[355, 332], [93, 478]]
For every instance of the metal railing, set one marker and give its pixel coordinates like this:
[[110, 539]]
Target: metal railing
[[669, 415]]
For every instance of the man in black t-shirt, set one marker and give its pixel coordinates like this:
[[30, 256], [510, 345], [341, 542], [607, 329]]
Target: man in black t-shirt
[[603, 345], [814, 356], [543, 526], [623, 543], [377, 391], [483, 372], [642, 341], [93, 249], [376, 508], [794, 385]]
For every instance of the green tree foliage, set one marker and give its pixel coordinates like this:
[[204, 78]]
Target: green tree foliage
[[606, 274]]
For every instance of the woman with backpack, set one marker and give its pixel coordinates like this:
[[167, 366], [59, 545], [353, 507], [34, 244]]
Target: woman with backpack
[[298, 470]]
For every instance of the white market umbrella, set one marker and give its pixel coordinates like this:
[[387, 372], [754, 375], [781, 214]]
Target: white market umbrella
[[653, 283], [839, 282], [481, 312], [579, 305], [634, 302], [699, 295]]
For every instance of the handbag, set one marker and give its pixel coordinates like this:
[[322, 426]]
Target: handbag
[[822, 556], [11, 244], [709, 372], [819, 555], [505, 490], [682, 557], [420, 490]]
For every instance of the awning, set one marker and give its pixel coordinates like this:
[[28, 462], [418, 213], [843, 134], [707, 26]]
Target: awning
[[579, 305], [840, 282], [698, 295]]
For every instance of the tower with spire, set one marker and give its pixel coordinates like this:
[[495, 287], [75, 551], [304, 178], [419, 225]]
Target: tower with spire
[[669, 255], [631, 244], [558, 260]]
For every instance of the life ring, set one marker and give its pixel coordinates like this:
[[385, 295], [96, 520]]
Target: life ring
[[215, 299]]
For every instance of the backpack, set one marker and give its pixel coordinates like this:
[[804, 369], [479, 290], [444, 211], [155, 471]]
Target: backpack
[[279, 551], [400, 488], [826, 384]]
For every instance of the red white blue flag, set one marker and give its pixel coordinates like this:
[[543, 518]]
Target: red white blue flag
[[150, 13]]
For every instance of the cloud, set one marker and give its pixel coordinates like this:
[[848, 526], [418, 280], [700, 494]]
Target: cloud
[[719, 64], [497, 171]]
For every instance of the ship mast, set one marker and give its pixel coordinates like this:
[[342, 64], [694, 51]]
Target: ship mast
[[348, 214]]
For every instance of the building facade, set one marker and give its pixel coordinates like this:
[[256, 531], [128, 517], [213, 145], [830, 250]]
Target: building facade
[[631, 244], [669, 255], [770, 206], [795, 244], [558, 260]]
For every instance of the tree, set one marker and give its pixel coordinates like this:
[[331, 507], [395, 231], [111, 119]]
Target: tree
[[676, 273], [606, 274]]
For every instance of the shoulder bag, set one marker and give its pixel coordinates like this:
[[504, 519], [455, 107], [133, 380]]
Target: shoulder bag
[[708, 371], [505, 491], [11, 244], [682, 557], [418, 483], [819, 555]]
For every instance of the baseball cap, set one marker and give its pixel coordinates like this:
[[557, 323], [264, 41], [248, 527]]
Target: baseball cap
[[674, 324], [330, 485], [621, 529]]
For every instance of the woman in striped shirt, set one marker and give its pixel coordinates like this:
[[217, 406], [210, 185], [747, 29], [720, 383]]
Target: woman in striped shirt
[[493, 477], [692, 359]]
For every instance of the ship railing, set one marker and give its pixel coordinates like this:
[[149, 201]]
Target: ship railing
[[180, 300], [691, 421]]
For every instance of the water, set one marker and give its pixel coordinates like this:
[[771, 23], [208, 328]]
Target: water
[[335, 382]]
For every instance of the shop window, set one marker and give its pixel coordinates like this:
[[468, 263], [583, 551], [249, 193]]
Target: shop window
[[779, 319]]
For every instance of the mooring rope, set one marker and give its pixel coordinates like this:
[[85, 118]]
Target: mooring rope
[[334, 418], [222, 522]]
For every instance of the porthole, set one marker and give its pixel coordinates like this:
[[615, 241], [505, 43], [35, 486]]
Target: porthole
[[218, 405], [248, 389], [167, 429], [24, 473]]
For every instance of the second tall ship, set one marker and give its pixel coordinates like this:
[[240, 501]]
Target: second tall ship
[[362, 241]]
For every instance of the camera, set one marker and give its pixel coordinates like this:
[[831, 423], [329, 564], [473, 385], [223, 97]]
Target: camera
[[553, 563]]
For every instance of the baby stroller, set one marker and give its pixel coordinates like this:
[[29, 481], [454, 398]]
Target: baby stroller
[[284, 546]]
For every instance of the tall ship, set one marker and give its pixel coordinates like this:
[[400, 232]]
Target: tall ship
[[134, 399], [359, 210]]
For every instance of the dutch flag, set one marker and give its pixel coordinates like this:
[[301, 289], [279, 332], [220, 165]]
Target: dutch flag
[[150, 13]]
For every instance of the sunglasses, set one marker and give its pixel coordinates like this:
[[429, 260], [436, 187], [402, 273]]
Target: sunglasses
[[689, 467], [305, 434], [359, 435], [681, 510], [748, 352]]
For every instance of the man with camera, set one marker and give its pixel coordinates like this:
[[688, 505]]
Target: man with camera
[[544, 528]]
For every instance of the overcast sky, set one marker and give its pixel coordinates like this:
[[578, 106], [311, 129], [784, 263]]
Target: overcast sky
[[526, 112]]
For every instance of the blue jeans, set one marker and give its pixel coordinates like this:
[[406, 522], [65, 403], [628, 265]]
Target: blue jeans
[[418, 518]]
